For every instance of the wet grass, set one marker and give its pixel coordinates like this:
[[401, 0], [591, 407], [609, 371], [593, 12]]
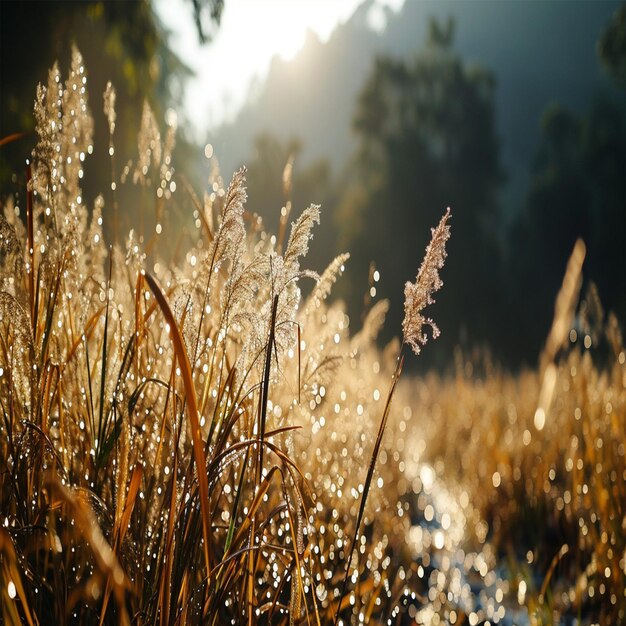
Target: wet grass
[[193, 442]]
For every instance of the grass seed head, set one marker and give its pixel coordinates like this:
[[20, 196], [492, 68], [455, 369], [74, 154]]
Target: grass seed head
[[418, 295]]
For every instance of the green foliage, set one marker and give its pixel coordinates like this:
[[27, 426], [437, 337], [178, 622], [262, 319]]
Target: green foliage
[[122, 42], [121, 39]]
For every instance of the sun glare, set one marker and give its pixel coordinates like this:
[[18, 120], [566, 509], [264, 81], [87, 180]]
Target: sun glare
[[250, 35], [284, 24]]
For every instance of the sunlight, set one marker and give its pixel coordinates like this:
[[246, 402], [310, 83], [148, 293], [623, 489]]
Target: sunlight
[[284, 24], [220, 402], [250, 35]]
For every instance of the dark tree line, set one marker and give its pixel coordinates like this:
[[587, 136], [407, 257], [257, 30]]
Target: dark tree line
[[427, 141]]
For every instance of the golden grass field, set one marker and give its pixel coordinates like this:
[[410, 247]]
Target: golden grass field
[[194, 442]]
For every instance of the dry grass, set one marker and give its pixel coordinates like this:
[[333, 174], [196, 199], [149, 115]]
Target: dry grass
[[192, 443], [550, 500]]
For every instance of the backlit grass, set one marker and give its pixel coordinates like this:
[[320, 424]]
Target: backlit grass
[[192, 442]]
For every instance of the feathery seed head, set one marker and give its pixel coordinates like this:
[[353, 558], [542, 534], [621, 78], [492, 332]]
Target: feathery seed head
[[418, 295], [149, 145]]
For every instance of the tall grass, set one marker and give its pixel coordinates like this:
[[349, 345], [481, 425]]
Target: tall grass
[[543, 466], [193, 442], [152, 465]]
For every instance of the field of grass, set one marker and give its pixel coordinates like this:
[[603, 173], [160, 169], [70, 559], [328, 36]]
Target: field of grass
[[193, 442]]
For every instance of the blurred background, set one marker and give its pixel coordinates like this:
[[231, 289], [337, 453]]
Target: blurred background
[[512, 113]]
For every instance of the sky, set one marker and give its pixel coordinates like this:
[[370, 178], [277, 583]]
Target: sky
[[250, 34]]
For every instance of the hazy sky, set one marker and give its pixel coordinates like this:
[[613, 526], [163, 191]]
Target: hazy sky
[[250, 34]]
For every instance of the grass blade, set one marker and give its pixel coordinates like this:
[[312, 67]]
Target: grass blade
[[192, 411], [265, 388], [10, 574], [368, 479]]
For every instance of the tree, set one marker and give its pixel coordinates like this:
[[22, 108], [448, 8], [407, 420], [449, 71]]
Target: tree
[[612, 46], [206, 14], [427, 141], [577, 190]]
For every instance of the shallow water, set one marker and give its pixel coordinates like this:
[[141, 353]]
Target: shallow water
[[461, 572]]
